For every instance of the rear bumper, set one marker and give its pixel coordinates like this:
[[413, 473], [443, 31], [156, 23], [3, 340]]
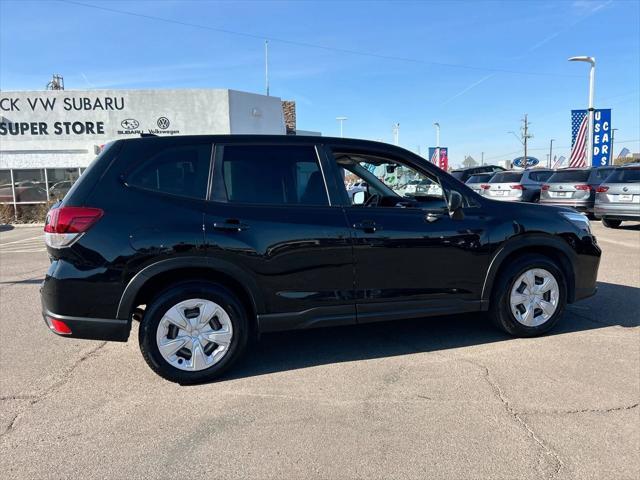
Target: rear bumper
[[580, 205], [618, 211], [109, 329]]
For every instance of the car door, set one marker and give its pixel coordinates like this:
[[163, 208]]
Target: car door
[[411, 259], [272, 218]]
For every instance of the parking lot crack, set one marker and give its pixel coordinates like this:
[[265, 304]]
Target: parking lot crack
[[583, 410], [517, 417], [49, 391]]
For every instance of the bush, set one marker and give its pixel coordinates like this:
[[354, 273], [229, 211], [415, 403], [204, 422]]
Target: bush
[[35, 213]]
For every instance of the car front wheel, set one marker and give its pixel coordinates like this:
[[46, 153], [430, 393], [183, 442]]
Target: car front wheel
[[529, 296], [193, 332]]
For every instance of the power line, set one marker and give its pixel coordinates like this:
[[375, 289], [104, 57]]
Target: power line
[[308, 45], [545, 148]]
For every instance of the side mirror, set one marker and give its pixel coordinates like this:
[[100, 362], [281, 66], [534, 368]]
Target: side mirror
[[391, 168], [359, 198], [455, 205]]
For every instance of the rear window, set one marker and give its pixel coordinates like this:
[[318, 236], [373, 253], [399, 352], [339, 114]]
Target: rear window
[[457, 175], [540, 176], [506, 177], [569, 176], [599, 175], [625, 175], [182, 171], [479, 178]]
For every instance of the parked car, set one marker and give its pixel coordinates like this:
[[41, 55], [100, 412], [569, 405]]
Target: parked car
[[463, 174], [210, 240], [618, 198], [59, 189], [574, 187], [517, 185], [476, 181]]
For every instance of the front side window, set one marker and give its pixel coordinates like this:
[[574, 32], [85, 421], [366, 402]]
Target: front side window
[[273, 175], [182, 171], [387, 183]]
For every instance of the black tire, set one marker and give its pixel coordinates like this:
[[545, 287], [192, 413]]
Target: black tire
[[610, 223], [500, 308], [170, 297]]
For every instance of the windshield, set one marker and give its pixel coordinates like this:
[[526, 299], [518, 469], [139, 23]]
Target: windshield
[[569, 176], [479, 178], [506, 177], [625, 175]]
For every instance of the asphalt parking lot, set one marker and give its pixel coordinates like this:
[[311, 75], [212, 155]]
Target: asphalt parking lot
[[435, 398]]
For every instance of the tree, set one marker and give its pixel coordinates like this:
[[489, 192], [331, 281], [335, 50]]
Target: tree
[[469, 162]]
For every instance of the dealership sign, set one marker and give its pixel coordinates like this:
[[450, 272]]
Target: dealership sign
[[520, 162], [441, 160], [601, 137]]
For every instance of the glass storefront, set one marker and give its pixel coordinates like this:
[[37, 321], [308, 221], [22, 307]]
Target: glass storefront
[[36, 185]]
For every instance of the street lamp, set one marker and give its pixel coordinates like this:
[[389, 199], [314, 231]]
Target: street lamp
[[592, 75], [341, 120], [551, 151], [437, 125]]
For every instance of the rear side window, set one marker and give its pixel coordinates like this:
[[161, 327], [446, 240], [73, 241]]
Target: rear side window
[[625, 175], [182, 171], [569, 176], [272, 175], [506, 177]]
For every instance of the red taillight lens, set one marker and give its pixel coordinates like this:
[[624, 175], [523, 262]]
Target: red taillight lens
[[58, 326], [64, 225], [71, 219], [545, 187], [517, 187], [582, 187], [602, 189], [485, 186]]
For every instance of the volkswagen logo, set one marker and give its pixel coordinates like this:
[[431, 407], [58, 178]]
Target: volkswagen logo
[[625, 189], [163, 123], [130, 124]]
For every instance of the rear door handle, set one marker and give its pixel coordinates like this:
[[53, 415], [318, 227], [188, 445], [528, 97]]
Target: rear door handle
[[368, 226], [230, 225]]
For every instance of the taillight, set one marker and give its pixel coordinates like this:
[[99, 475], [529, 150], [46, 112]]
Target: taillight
[[545, 187], [65, 225], [582, 187], [485, 186], [517, 187], [58, 326], [602, 189]]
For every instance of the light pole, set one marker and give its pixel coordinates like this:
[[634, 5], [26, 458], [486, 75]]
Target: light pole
[[550, 152], [613, 133], [437, 125], [396, 133], [341, 120], [592, 75]]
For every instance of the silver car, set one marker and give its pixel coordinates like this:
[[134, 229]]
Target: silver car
[[574, 187], [618, 198], [478, 181], [517, 185]]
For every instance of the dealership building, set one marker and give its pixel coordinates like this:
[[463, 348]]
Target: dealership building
[[47, 138]]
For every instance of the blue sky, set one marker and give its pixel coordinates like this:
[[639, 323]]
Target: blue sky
[[475, 67]]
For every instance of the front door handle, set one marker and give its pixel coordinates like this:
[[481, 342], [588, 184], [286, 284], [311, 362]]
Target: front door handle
[[432, 217], [368, 226], [230, 225]]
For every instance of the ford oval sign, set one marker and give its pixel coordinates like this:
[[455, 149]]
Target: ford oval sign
[[130, 124], [531, 162]]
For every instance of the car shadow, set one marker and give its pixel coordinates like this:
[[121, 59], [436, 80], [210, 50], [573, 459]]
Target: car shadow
[[277, 352], [5, 227]]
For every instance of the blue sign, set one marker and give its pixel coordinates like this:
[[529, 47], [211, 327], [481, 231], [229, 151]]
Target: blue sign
[[602, 137], [531, 162]]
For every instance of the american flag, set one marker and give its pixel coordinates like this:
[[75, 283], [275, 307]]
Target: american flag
[[579, 124], [434, 157]]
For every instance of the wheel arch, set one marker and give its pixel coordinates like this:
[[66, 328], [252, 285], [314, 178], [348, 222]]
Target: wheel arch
[[156, 276], [555, 248]]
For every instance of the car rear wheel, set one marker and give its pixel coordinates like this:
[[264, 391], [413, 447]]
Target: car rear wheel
[[529, 297], [193, 332], [610, 223]]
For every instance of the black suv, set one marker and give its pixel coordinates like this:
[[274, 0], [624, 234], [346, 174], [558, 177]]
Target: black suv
[[210, 240], [463, 174]]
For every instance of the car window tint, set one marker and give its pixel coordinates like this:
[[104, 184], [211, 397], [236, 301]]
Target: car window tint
[[482, 177], [180, 171], [569, 176], [625, 175], [506, 177], [601, 174], [274, 175]]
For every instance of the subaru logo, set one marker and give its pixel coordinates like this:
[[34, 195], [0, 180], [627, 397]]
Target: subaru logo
[[130, 124]]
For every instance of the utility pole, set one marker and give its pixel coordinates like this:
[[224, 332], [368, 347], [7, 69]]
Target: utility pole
[[266, 65], [550, 152], [613, 132], [482, 159], [525, 138]]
